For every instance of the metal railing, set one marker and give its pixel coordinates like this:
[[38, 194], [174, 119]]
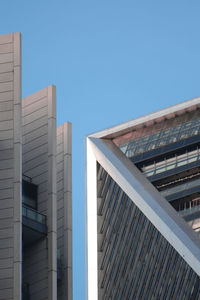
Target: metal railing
[[189, 211], [181, 187], [172, 163]]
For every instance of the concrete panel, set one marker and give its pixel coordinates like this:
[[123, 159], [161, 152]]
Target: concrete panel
[[39, 157], [6, 38], [64, 204], [6, 57], [6, 67], [6, 48], [10, 169], [6, 77]]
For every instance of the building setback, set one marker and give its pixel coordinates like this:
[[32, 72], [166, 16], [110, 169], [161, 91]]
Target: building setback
[[143, 207], [36, 189]]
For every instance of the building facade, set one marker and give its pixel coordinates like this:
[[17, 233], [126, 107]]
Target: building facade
[[36, 190], [143, 207]]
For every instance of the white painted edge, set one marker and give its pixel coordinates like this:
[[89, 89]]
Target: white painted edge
[[144, 195], [146, 118], [91, 224]]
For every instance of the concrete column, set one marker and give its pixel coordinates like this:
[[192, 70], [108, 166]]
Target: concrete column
[[68, 291], [17, 168], [52, 202]]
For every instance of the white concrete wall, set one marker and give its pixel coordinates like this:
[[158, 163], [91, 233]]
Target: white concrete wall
[[39, 163], [10, 167], [64, 208]]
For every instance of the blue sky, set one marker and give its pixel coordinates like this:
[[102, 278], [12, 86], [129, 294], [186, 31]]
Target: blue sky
[[111, 61]]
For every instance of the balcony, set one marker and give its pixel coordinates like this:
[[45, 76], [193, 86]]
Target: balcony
[[166, 149], [34, 223], [181, 190], [189, 211], [172, 166]]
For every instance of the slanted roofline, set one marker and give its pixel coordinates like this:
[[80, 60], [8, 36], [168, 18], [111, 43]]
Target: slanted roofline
[[149, 119]]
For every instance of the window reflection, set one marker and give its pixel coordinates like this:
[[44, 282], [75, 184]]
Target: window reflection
[[161, 138]]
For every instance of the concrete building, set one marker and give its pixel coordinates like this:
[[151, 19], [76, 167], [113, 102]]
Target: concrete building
[[143, 207], [36, 188]]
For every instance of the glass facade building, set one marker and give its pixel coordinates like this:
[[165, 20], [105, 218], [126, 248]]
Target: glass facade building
[[143, 228]]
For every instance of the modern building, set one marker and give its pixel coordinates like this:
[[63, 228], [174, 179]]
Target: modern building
[[36, 189], [143, 207]]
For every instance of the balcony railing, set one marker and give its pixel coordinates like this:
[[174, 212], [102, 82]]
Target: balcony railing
[[182, 188], [172, 163], [33, 215], [189, 211], [34, 226]]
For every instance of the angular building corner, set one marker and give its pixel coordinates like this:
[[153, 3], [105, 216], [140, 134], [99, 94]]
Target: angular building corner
[[143, 207], [36, 190]]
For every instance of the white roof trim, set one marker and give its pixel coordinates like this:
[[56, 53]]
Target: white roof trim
[[158, 114]]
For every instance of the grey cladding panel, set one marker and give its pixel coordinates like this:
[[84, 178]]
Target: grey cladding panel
[[39, 139], [10, 166], [64, 211], [35, 162]]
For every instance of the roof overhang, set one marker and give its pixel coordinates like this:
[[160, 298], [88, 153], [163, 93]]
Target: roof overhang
[[158, 116]]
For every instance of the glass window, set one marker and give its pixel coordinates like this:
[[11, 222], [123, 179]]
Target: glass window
[[186, 125], [164, 133], [172, 139], [194, 131], [123, 148], [175, 130], [161, 142], [151, 146], [171, 166], [182, 162], [160, 169], [184, 134], [195, 122]]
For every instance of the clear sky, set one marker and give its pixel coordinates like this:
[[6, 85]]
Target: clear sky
[[111, 61]]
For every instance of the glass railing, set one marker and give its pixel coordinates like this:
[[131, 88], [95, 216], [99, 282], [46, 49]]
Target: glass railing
[[189, 211], [161, 138], [33, 215], [170, 164], [181, 187]]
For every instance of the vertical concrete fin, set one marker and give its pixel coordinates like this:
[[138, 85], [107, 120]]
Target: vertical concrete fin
[[39, 163], [52, 201], [64, 192], [10, 162]]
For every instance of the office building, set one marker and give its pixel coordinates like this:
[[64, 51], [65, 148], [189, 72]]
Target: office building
[[143, 207], [35, 183]]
